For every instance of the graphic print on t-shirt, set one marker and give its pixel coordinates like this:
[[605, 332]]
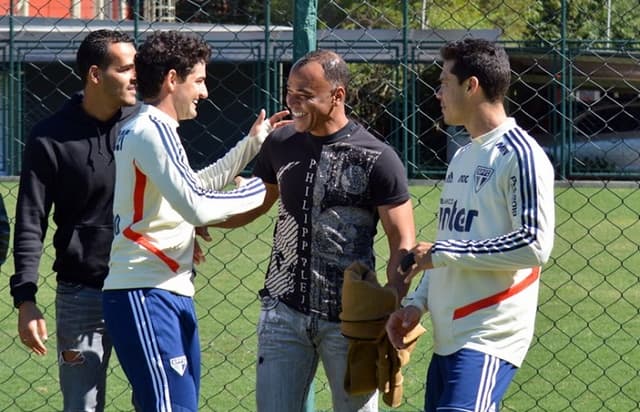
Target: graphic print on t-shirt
[[332, 226]]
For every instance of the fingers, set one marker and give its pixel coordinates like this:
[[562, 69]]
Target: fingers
[[400, 323], [37, 346], [203, 232], [408, 268], [277, 119], [32, 328], [262, 128], [198, 255], [239, 181], [407, 262], [395, 330], [417, 260], [408, 277], [35, 336]]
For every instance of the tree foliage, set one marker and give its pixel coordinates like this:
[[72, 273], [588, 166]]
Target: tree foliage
[[517, 19]]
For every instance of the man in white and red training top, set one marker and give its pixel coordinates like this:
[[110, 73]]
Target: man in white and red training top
[[159, 199], [495, 230]]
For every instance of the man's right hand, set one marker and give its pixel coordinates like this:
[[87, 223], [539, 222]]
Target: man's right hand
[[421, 261], [400, 323], [32, 328]]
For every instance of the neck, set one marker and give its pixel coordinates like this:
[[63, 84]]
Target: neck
[[486, 117], [96, 107], [331, 126], [165, 104]]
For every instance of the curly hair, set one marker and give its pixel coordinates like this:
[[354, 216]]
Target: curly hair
[[163, 51], [94, 50], [335, 69], [483, 59]]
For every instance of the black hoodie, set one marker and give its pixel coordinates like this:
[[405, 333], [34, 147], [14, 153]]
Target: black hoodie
[[68, 162]]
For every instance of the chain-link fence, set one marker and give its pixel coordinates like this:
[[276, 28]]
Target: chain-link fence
[[576, 82]]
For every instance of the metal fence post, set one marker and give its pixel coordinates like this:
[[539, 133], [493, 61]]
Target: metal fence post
[[305, 17], [304, 27]]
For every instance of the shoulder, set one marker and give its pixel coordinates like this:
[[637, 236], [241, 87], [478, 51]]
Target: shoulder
[[364, 138], [142, 122], [52, 126], [520, 145], [129, 112], [139, 134], [283, 134]]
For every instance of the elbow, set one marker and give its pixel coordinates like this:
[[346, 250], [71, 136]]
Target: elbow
[[542, 252]]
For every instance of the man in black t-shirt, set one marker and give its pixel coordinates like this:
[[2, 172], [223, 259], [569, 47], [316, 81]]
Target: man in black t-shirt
[[335, 181]]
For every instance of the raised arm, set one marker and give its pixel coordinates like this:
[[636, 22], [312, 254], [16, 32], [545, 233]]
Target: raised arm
[[221, 173]]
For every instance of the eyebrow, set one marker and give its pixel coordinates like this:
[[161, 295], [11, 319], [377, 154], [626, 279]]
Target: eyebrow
[[303, 90]]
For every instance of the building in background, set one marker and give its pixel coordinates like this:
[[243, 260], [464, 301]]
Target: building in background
[[150, 10]]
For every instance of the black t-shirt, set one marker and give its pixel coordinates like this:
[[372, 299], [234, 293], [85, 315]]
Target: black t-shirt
[[330, 188]]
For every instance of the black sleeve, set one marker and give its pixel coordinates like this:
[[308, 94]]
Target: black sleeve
[[263, 167], [5, 231], [389, 185], [37, 184]]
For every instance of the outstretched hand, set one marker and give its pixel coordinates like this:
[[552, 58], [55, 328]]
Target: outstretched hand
[[262, 127]]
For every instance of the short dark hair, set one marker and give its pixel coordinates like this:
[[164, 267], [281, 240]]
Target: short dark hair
[[94, 50], [335, 68], [163, 51], [483, 59]]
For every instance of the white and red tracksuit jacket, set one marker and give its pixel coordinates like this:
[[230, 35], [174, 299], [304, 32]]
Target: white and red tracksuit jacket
[[495, 230], [159, 200]]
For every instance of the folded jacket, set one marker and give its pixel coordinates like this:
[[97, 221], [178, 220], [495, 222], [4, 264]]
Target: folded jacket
[[372, 361]]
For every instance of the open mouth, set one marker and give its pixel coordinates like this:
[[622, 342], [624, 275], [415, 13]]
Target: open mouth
[[298, 115]]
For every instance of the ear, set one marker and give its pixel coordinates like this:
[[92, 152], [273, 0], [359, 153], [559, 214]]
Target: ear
[[94, 74], [171, 79], [339, 95], [472, 84]]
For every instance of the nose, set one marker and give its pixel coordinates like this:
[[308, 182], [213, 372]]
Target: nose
[[204, 93], [439, 92]]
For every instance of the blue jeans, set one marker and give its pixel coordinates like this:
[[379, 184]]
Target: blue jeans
[[290, 344], [80, 328]]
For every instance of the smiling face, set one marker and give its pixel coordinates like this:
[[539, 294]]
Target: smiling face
[[189, 91], [315, 104], [117, 85], [451, 94]]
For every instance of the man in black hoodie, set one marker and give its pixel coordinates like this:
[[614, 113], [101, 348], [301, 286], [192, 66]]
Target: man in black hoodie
[[68, 162]]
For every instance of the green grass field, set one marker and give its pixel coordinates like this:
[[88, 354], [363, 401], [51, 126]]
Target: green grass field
[[585, 356]]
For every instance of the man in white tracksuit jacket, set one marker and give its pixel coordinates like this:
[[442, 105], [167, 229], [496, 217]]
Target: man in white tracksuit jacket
[[159, 199], [495, 230]]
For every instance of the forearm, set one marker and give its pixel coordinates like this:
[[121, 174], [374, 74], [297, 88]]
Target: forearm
[[241, 219], [398, 223], [221, 173]]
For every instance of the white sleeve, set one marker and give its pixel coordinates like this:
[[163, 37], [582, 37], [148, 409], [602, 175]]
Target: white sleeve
[[530, 184], [161, 157], [221, 173]]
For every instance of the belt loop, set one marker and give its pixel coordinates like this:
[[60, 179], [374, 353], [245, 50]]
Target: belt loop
[[263, 293]]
